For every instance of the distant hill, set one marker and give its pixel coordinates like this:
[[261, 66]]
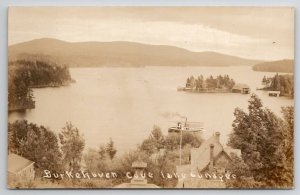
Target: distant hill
[[286, 66], [89, 54]]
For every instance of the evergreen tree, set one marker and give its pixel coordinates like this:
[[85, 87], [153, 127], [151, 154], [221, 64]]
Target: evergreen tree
[[110, 149], [260, 136]]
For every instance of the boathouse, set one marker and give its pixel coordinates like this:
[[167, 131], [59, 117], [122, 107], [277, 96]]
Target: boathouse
[[241, 88]]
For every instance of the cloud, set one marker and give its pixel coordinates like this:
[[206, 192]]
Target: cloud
[[247, 32]]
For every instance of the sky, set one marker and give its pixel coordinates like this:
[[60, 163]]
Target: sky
[[265, 33]]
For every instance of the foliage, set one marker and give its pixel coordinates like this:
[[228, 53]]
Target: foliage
[[110, 149], [156, 151], [35, 143], [157, 141], [25, 74], [41, 72], [282, 83], [173, 140], [92, 160], [220, 82], [288, 115], [154, 142], [100, 159], [72, 145], [260, 135], [19, 92], [244, 178], [165, 163]]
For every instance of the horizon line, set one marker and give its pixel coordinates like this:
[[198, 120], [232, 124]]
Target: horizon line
[[142, 43]]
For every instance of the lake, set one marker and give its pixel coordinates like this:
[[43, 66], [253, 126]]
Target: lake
[[125, 103]]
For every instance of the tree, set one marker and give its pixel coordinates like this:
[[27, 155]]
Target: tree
[[244, 177], [172, 141], [94, 161], [154, 142], [35, 143], [199, 82], [102, 152], [110, 149], [260, 136], [264, 80], [25, 74], [282, 83], [220, 82], [165, 164], [288, 115], [72, 145], [188, 82]]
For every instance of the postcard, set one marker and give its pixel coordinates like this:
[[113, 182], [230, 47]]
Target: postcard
[[150, 97]]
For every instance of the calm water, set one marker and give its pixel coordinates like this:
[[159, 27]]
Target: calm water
[[125, 103]]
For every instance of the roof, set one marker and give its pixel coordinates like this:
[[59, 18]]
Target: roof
[[139, 164], [230, 151], [17, 163], [201, 156], [240, 86]]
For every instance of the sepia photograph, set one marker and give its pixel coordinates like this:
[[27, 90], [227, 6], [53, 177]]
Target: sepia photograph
[[165, 97]]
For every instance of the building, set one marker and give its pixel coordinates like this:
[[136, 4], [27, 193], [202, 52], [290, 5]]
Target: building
[[212, 158], [20, 168], [138, 181], [241, 88]]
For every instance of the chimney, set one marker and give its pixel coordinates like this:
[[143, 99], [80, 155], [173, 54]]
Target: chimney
[[211, 158], [217, 136]]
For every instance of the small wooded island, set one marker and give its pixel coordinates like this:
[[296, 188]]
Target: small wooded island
[[219, 84], [23, 75], [283, 85]]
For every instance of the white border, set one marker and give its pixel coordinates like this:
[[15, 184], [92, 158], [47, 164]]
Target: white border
[[3, 87]]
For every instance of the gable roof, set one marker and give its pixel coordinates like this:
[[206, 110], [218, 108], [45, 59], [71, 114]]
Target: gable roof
[[17, 163], [240, 86], [139, 164], [201, 156]]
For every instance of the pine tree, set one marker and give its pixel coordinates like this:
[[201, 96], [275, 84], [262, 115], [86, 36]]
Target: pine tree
[[110, 149], [260, 135]]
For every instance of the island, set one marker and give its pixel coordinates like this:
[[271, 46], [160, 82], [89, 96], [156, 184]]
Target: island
[[218, 84]]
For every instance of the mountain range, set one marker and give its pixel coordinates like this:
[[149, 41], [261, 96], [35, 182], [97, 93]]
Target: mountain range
[[119, 53], [285, 65]]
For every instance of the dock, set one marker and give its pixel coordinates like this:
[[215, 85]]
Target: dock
[[274, 93]]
